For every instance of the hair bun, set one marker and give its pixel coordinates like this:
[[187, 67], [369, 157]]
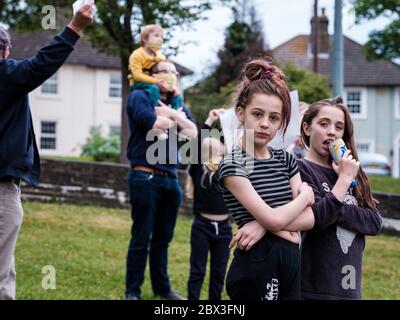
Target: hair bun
[[262, 68], [337, 100]]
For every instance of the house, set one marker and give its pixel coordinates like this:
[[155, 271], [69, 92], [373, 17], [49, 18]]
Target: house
[[84, 93], [371, 88]]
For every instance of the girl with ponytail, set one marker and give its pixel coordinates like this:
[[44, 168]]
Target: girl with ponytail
[[263, 191], [211, 230]]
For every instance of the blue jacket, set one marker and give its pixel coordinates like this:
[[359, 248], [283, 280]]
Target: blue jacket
[[19, 156], [141, 117]]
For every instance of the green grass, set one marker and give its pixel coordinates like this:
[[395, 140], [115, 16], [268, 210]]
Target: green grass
[[63, 158], [87, 246], [385, 184]]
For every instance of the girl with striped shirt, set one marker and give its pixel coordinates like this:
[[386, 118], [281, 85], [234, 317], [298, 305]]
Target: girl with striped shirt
[[262, 189]]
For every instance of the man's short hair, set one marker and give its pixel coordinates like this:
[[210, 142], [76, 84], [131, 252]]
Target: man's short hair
[[146, 30], [5, 40], [154, 68]]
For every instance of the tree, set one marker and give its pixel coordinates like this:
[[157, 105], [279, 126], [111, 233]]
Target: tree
[[311, 86], [385, 43], [116, 29], [244, 39], [201, 100]]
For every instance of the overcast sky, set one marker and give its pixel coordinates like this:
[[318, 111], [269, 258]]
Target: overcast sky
[[282, 20]]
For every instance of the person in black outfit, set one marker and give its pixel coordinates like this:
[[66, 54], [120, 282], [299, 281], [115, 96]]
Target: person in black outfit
[[19, 157], [211, 229]]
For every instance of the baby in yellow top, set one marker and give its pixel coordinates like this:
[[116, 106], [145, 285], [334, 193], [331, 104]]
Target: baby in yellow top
[[143, 59]]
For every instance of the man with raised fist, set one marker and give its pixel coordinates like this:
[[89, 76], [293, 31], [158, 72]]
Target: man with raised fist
[[19, 157]]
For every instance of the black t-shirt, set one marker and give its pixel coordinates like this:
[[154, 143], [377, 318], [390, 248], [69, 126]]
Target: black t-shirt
[[207, 193]]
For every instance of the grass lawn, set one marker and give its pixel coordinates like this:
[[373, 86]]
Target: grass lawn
[[87, 246], [78, 158], [385, 184]]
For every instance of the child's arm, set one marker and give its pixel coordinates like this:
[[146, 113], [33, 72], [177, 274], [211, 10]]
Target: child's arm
[[253, 231], [136, 67], [305, 220], [213, 116], [273, 219], [248, 235], [141, 112], [326, 207], [346, 171], [188, 128], [362, 220]]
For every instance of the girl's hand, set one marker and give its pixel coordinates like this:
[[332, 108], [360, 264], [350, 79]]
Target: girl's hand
[[248, 235], [214, 115], [348, 166], [306, 191]]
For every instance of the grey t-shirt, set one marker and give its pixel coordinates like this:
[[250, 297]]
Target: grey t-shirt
[[331, 265]]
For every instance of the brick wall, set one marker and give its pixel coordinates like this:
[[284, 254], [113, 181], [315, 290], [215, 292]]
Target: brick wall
[[92, 183]]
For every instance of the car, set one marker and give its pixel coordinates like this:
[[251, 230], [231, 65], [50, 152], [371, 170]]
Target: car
[[375, 164]]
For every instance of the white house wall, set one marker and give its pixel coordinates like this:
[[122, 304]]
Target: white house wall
[[81, 103], [381, 127]]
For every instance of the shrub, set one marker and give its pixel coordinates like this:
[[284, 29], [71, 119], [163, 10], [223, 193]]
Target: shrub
[[101, 148]]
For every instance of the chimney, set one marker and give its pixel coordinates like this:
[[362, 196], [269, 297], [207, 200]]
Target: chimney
[[323, 35]]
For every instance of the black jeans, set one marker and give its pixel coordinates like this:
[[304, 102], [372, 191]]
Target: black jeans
[[214, 237], [270, 270], [155, 202]]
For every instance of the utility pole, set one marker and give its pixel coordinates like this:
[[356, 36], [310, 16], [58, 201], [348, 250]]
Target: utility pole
[[338, 55], [315, 37]]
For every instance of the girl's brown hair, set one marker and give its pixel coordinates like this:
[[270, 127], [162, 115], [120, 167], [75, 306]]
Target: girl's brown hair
[[362, 191], [262, 76]]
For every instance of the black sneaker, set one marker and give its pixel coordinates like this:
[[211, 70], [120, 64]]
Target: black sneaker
[[172, 295], [132, 297]]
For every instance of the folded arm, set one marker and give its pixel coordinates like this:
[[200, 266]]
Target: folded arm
[[273, 219]]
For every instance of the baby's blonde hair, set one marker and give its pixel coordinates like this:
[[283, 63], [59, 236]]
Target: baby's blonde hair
[[146, 30]]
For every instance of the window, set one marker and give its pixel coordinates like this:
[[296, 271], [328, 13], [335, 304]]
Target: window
[[115, 86], [365, 145], [51, 85], [356, 101], [48, 135], [115, 131]]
